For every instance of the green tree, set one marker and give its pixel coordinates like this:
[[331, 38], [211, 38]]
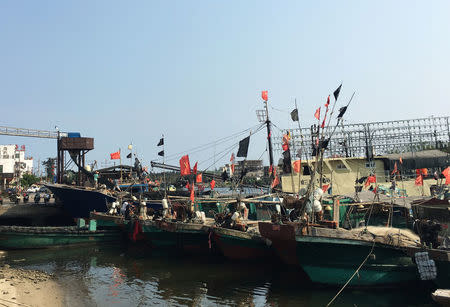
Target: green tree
[[28, 179], [49, 165]]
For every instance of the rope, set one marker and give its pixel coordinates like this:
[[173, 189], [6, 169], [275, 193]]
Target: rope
[[357, 270], [20, 304]]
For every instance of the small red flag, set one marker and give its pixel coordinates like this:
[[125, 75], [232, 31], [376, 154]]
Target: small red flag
[[232, 158], [275, 182], [317, 114], [446, 173], [419, 180], [328, 102], [285, 147], [185, 167], [192, 194], [270, 169], [370, 179], [213, 184], [297, 166], [325, 186], [194, 170], [199, 178], [115, 155], [395, 169], [401, 160], [265, 95]]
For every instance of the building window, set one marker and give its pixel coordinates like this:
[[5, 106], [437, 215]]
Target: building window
[[341, 166], [17, 156], [370, 164], [1, 169], [5, 156]]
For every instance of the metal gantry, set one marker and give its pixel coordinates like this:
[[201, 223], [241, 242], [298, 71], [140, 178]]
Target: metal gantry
[[376, 138], [11, 131]]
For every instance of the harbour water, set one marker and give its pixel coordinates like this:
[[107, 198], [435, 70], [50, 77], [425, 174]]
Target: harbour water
[[123, 276]]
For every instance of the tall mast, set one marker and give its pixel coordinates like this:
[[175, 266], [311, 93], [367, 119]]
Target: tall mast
[[269, 136]]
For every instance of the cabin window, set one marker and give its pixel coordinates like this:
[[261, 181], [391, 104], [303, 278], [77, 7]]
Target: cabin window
[[306, 170], [370, 164], [341, 166], [17, 156]]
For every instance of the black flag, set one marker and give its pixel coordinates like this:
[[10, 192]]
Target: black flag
[[161, 142], [287, 167], [243, 147], [129, 155], [161, 153], [342, 112], [336, 92], [294, 115]]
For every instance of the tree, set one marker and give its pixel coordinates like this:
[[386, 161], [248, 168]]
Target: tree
[[28, 180], [49, 166]]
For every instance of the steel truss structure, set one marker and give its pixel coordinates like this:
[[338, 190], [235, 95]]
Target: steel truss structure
[[371, 139]]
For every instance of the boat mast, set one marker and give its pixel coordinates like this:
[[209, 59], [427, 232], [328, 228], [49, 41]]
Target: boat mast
[[269, 136]]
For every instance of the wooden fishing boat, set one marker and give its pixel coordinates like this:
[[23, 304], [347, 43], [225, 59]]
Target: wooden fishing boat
[[242, 245], [331, 256], [22, 237], [181, 236]]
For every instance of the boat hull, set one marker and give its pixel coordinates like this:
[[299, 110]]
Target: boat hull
[[45, 237], [185, 237], [239, 245], [333, 261], [79, 202]]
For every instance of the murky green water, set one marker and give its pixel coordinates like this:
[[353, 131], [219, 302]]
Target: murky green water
[[120, 276]]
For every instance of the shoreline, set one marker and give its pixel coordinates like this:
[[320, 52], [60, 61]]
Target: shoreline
[[21, 287]]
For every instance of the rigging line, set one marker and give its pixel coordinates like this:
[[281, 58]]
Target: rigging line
[[357, 270], [279, 110], [219, 153], [232, 146], [226, 153], [211, 144]]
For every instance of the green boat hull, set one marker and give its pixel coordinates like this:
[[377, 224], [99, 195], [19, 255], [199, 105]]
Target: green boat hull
[[333, 261], [30, 240], [238, 245], [179, 236]]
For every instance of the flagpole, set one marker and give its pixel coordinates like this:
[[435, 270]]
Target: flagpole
[[164, 174], [120, 157], [269, 138], [301, 146]]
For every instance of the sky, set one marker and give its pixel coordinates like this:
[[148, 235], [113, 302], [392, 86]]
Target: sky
[[193, 71]]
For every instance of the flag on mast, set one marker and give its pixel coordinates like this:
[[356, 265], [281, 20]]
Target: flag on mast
[[161, 142]]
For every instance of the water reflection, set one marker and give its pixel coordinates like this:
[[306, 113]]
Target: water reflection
[[118, 276]]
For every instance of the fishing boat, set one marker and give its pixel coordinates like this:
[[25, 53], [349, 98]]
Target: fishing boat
[[23, 237], [80, 201], [379, 256]]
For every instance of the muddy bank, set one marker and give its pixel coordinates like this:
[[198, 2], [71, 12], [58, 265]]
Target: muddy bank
[[19, 287]]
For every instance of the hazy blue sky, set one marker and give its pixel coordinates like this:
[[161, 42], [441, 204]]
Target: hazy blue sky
[[194, 70]]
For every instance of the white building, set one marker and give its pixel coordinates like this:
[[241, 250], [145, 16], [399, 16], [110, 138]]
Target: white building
[[13, 163]]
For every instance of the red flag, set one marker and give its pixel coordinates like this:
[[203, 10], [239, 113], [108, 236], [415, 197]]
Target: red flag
[[185, 167], [285, 147], [199, 178], [270, 169], [275, 182], [326, 186], [421, 171], [317, 114], [323, 122], [401, 160], [446, 173], [213, 184], [297, 166], [328, 102], [265, 95], [115, 155], [395, 169], [192, 194], [194, 171], [419, 180], [370, 179], [188, 186]]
